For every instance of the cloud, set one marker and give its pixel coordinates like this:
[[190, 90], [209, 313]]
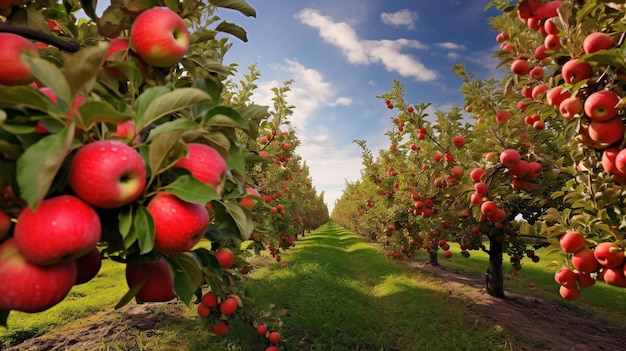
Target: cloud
[[343, 101], [404, 17], [365, 52], [450, 46]]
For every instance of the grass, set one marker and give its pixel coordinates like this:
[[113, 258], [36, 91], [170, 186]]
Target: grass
[[337, 292]]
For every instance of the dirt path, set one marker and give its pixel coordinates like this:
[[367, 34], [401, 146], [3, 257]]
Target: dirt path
[[552, 325]]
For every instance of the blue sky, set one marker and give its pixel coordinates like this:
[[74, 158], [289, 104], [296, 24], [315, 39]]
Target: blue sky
[[341, 54]]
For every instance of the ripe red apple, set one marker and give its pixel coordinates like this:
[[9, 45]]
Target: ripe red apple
[[552, 42], [5, 225], [520, 67], [571, 293], [228, 306], [62, 228], [536, 73], [160, 36], [156, 278], [209, 299], [607, 132], [613, 276], [14, 70], [481, 188], [541, 52], [575, 70], [619, 161], [28, 287], [121, 46], [538, 91], [609, 255], [572, 242], [510, 158], [556, 95], [459, 141], [502, 116], [125, 130], [570, 107], [584, 280], [602, 105], [261, 329], [249, 202], [520, 170], [274, 337], [489, 208], [272, 348], [205, 164], [565, 277], [534, 169], [585, 261], [597, 41], [609, 156], [88, 266], [550, 26], [107, 173], [220, 328], [476, 199], [179, 225], [477, 174], [225, 257], [203, 311]]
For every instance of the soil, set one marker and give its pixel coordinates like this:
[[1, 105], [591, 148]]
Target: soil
[[547, 325]]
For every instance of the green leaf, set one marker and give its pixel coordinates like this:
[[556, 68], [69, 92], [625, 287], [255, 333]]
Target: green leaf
[[242, 219], [143, 225], [81, 68], [164, 150], [187, 276], [233, 29], [163, 104], [125, 217], [239, 5], [51, 76], [23, 96], [39, 164], [101, 111], [178, 124], [224, 116], [29, 17], [190, 189]]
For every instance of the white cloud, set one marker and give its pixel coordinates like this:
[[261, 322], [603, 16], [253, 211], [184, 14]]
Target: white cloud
[[343, 101], [450, 46], [454, 56], [365, 52], [404, 17]]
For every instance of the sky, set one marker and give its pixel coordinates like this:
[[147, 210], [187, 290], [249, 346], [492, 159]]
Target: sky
[[341, 54]]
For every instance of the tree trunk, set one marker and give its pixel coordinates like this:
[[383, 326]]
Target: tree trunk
[[494, 279], [432, 258]]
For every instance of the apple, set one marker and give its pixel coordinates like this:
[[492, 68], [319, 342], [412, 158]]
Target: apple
[[609, 156], [519, 184], [249, 202], [477, 174], [538, 91], [160, 37], [534, 169], [619, 161], [556, 95], [88, 266], [550, 26], [459, 141], [125, 130], [272, 348], [28, 287], [274, 337], [552, 42], [520, 170], [220, 328], [575, 70], [203, 311], [156, 278], [565, 277], [584, 280], [61, 229], [14, 70], [476, 199], [179, 225], [209, 299], [121, 46], [205, 164], [607, 132], [510, 158], [585, 261], [601, 105], [613, 276], [5, 225], [541, 52], [481, 188], [571, 293], [225, 257], [489, 208], [609, 255], [502, 116], [597, 41], [570, 107], [536, 73], [228, 306], [107, 173], [261, 329], [520, 67], [572, 242], [74, 111]]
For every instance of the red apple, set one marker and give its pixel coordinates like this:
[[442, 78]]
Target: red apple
[[607, 132], [121, 47], [538, 91], [481, 188], [575, 70], [261, 329], [540, 52], [572, 242], [489, 208], [5, 225], [88, 266], [609, 255], [160, 36], [597, 41], [209, 299], [556, 95], [520, 67], [14, 70], [274, 337], [228, 306], [585, 261], [28, 287], [602, 105], [62, 228], [584, 280], [609, 158], [552, 42], [570, 107], [571, 293], [249, 202], [536, 73], [156, 278], [550, 26], [502, 116], [107, 173], [619, 161], [203, 311], [613, 276], [220, 328], [125, 130], [179, 225], [205, 164], [225, 257], [510, 158], [534, 169], [477, 174], [458, 141], [476, 199], [565, 277]]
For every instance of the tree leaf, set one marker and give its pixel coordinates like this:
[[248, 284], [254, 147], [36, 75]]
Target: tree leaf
[[179, 124], [187, 276], [51, 76], [241, 218], [239, 5], [101, 111], [81, 68], [224, 116], [163, 104], [143, 226], [39, 164], [165, 149], [189, 189], [125, 217], [233, 29], [23, 96]]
